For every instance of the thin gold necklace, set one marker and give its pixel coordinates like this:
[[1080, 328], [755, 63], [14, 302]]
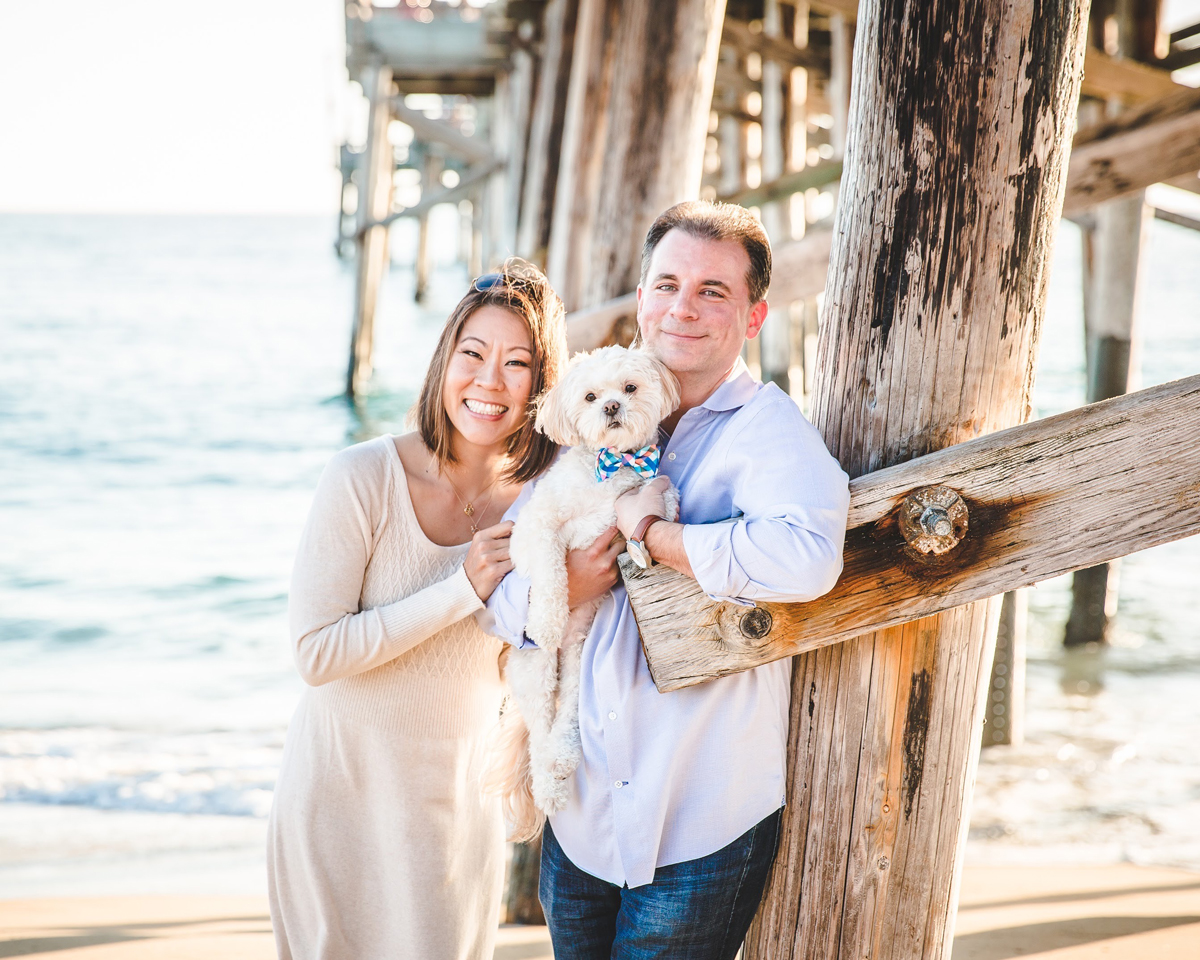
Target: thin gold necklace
[[468, 506]]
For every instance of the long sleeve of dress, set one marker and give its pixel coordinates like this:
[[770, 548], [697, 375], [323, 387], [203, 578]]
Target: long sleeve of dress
[[332, 637]]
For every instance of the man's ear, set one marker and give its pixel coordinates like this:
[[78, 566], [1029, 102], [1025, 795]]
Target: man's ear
[[758, 316]]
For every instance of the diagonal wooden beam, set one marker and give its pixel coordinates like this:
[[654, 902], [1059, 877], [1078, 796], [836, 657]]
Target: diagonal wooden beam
[[438, 131], [1042, 499], [471, 179], [1125, 79], [1145, 145]]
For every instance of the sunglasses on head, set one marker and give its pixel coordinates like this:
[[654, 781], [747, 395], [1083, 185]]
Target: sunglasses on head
[[492, 281]]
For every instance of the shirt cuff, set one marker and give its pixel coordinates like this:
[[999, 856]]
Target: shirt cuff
[[709, 550]]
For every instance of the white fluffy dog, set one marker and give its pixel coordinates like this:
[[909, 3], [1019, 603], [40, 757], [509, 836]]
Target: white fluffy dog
[[606, 409]]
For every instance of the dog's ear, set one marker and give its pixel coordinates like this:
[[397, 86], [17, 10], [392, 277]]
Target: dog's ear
[[554, 417], [670, 384]]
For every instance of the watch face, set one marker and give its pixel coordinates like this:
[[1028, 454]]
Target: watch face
[[637, 553]]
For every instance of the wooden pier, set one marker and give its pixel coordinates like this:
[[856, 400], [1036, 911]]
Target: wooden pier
[[911, 205]]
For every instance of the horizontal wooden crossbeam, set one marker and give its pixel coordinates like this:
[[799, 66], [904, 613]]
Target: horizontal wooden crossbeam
[[737, 33], [820, 175], [1042, 499]]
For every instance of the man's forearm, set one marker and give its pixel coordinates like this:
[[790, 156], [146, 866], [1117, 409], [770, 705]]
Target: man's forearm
[[664, 541]]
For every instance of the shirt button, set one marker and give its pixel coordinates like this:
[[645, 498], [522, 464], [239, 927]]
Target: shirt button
[[617, 784], [671, 455], [612, 715]]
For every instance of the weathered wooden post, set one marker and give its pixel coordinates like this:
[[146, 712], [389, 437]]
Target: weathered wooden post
[[431, 173], [1004, 710], [374, 204], [656, 63], [961, 116], [775, 339], [1111, 266], [546, 129]]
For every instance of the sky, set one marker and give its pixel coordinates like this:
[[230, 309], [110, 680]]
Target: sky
[[219, 106]]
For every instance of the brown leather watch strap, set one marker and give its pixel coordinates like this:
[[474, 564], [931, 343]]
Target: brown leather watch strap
[[639, 533]]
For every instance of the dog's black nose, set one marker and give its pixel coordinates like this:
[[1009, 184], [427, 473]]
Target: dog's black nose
[[612, 408]]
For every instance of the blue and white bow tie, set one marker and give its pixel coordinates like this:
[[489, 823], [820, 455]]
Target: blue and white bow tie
[[644, 462]]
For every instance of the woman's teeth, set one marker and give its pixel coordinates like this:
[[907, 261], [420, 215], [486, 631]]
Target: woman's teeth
[[485, 409]]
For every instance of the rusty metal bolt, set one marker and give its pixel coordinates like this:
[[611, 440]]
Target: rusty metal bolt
[[933, 519]]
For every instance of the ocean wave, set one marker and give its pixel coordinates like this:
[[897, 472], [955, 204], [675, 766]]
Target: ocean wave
[[225, 774]]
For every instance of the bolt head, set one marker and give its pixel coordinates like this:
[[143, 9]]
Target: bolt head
[[933, 519]]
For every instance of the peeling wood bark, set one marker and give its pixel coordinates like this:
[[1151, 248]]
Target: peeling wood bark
[[955, 171]]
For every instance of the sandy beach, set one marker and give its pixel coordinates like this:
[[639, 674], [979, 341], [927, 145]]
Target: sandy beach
[[1059, 913]]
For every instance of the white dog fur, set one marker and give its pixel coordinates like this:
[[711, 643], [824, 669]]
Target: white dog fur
[[611, 397]]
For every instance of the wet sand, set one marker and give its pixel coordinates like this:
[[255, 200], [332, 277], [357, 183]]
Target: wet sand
[[1057, 913]]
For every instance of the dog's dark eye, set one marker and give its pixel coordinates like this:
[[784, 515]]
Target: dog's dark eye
[[590, 397], [630, 387]]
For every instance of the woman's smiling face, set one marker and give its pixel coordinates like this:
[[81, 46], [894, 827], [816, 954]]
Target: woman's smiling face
[[489, 377]]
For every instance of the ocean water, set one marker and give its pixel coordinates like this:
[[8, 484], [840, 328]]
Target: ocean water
[[169, 392]]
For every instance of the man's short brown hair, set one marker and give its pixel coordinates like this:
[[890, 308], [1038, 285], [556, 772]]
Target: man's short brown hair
[[707, 220], [522, 289]]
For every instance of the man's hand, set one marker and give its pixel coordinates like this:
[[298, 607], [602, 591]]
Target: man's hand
[[646, 501], [592, 571]]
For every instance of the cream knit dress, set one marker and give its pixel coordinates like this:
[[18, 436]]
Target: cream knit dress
[[381, 842]]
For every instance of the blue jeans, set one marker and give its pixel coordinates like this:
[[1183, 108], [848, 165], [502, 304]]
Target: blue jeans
[[698, 910]]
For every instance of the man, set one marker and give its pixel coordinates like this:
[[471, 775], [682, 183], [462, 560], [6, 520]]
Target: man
[[665, 845]]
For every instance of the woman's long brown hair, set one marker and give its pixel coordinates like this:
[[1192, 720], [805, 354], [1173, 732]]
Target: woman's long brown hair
[[524, 291]]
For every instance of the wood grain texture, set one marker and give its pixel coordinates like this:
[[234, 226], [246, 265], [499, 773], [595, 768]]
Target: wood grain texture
[[1044, 498], [960, 123], [656, 121], [1141, 146]]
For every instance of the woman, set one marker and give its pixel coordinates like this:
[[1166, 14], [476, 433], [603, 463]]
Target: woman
[[382, 842]]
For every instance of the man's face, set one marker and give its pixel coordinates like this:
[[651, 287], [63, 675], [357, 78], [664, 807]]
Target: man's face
[[694, 308]]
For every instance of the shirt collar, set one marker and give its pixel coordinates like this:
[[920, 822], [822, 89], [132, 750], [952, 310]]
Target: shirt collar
[[735, 391]]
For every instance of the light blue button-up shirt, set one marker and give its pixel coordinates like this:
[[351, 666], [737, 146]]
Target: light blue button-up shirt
[[669, 777]]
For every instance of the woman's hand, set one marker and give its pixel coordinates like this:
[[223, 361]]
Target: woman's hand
[[592, 571], [487, 558]]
